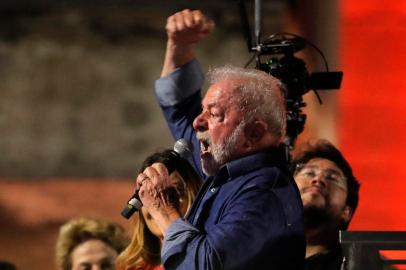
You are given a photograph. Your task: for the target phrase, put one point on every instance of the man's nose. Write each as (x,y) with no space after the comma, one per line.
(319,179)
(200,123)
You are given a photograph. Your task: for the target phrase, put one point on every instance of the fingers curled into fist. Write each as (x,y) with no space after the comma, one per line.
(188,26)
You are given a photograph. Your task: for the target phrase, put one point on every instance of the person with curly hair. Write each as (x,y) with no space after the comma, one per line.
(88,244)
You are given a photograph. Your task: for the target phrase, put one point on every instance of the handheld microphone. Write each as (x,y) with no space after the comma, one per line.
(181,149)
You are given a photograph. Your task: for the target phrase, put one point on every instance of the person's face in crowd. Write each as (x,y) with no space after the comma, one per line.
(93,254)
(178,182)
(323,187)
(219,127)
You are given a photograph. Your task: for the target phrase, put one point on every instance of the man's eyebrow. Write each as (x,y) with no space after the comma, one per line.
(208,106)
(212,104)
(338,171)
(305,166)
(332,170)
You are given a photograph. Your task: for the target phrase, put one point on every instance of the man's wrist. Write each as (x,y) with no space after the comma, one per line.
(176,56)
(166,218)
(179,84)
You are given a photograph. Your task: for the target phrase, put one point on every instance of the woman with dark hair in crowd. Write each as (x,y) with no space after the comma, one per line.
(144,251)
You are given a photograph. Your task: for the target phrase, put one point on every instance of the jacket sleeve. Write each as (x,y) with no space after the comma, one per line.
(251,223)
(179,96)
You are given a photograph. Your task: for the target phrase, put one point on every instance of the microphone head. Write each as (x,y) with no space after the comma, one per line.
(183,147)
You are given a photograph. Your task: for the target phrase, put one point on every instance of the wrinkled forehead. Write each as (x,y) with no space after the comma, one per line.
(223,91)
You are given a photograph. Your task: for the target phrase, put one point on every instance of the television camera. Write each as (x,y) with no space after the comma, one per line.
(281,63)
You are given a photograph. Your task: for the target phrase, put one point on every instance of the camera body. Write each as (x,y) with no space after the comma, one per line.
(291,70)
(297,80)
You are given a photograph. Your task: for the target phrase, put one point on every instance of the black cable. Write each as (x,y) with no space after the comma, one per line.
(251,59)
(271,37)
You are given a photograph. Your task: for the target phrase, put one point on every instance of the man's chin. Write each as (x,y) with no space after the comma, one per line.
(315,216)
(314,200)
(209,166)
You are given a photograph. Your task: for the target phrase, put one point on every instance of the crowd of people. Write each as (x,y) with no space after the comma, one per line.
(237,203)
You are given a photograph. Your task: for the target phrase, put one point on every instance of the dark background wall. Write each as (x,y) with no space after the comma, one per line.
(76,83)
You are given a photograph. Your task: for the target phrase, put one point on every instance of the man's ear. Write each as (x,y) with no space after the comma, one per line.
(346,215)
(255,131)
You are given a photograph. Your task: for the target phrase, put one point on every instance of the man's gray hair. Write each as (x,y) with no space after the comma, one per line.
(258,94)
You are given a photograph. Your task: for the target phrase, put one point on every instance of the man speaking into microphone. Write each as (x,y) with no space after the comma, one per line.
(248,213)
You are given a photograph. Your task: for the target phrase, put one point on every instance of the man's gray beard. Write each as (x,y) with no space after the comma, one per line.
(222,152)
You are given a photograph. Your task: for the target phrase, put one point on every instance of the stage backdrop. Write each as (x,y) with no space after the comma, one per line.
(372,121)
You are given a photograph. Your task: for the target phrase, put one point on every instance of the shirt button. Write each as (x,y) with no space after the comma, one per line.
(213,190)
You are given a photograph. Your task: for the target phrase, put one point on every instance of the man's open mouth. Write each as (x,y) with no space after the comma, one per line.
(204,147)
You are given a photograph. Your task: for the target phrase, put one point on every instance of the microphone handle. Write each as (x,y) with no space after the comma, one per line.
(135,204)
